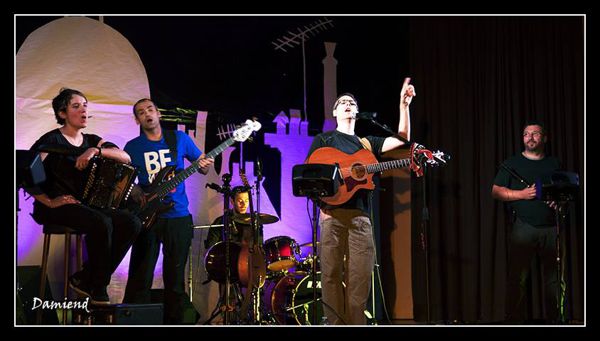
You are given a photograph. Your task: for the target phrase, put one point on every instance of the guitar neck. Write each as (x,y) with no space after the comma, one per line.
(168,186)
(382,166)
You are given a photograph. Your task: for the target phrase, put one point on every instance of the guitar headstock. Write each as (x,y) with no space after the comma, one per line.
(439,158)
(243,133)
(424,157)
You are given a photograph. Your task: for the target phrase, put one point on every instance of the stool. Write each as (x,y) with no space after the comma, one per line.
(49,230)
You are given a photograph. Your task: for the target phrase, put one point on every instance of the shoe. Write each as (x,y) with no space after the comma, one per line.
(99,296)
(79,285)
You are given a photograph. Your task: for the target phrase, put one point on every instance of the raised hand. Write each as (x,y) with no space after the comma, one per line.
(407,92)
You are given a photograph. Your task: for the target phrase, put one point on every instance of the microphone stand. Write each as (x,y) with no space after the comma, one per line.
(259,177)
(254,273)
(424,215)
(560,295)
(314,197)
(425,238)
(226,236)
(389,130)
(258,232)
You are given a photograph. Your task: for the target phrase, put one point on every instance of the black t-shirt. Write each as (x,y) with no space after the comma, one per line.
(348,144)
(239,232)
(534,212)
(61,175)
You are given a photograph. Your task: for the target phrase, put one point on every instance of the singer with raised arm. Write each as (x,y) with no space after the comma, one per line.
(153,152)
(346,228)
(531,282)
(68,154)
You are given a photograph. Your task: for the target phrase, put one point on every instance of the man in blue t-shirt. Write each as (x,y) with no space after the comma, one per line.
(531,283)
(150,152)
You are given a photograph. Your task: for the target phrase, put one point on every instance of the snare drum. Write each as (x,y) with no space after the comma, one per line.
(280,253)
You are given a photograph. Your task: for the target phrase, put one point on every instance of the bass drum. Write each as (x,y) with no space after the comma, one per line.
(290,299)
(214,264)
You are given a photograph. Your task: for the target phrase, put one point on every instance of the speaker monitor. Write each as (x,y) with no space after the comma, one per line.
(120,314)
(30,169)
(315,180)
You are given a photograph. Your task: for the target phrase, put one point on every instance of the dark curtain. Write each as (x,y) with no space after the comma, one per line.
(478,80)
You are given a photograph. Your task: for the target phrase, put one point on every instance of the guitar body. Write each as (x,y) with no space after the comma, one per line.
(352,169)
(154,205)
(252,266)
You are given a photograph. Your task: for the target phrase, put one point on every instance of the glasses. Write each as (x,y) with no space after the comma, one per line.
(532,134)
(347,101)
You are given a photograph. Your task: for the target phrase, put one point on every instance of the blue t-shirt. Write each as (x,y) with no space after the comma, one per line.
(151,156)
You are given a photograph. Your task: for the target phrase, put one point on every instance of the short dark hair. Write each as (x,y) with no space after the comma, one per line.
(141,101)
(238,189)
(534,123)
(335,104)
(61,102)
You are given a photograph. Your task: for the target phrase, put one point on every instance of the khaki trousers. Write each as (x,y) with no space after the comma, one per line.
(347,259)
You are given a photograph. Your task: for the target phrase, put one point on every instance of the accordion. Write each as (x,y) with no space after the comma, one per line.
(108,183)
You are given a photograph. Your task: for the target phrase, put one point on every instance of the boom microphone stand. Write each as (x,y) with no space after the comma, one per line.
(226,236)
(424,213)
(425,239)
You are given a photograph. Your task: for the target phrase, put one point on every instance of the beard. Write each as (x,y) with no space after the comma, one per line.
(532,146)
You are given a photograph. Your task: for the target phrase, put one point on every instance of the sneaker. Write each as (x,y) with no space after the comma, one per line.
(99,296)
(79,285)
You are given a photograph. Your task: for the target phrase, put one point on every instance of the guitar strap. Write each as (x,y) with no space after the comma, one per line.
(171,140)
(366,144)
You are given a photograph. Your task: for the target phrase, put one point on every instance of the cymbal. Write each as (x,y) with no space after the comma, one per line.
(309,244)
(263,219)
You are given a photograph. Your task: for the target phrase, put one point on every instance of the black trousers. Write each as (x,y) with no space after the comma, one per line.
(532,275)
(176,236)
(108,235)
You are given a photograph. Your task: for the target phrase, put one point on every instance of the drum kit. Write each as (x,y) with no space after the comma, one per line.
(287,293)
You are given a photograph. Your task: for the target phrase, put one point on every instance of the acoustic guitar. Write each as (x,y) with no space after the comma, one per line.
(357,169)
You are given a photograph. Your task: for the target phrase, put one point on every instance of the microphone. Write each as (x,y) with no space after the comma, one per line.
(258,168)
(366,115)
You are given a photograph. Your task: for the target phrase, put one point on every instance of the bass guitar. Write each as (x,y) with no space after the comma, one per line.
(161,187)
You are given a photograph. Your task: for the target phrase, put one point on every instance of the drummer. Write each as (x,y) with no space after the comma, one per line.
(240,232)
